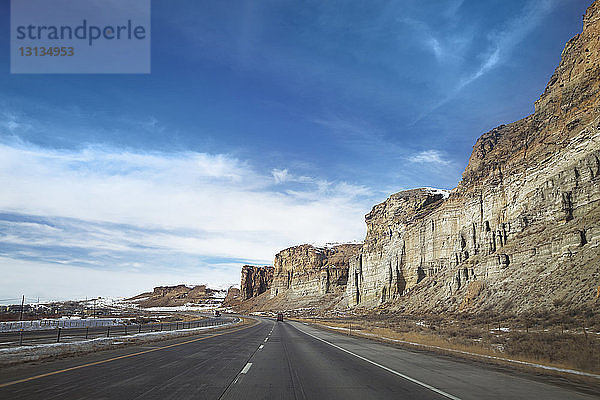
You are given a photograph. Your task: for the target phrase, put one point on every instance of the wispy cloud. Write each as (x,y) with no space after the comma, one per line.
(358,135)
(436,48)
(429,157)
(505,40)
(54,281)
(280,175)
(12,123)
(501,45)
(428,38)
(100,207)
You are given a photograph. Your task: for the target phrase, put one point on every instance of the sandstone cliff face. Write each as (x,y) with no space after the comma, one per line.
(382,270)
(255,280)
(307,270)
(522,225)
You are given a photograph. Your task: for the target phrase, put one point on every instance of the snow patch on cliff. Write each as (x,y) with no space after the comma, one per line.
(331,245)
(445,193)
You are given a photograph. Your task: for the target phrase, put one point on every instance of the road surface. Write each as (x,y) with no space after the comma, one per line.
(271,360)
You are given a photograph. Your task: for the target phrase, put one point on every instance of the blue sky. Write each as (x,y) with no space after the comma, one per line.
(263,124)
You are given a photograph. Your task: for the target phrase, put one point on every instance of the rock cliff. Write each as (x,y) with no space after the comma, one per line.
(255,280)
(233,298)
(522,227)
(304,277)
(307,270)
(520,232)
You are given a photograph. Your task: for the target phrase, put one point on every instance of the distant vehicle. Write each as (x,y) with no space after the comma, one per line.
(217,313)
(279,317)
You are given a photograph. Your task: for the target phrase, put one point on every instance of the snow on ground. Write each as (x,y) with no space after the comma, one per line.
(216,298)
(136,300)
(338,328)
(443,192)
(185,307)
(109,301)
(331,245)
(262,313)
(221,294)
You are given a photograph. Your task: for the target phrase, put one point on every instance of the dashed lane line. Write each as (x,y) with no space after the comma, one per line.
(246,368)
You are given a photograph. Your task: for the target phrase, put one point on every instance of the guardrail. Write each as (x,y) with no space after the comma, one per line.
(62,334)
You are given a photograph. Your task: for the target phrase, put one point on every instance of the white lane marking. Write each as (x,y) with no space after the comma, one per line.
(261,346)
(246,368)
(434,389)
(266,339)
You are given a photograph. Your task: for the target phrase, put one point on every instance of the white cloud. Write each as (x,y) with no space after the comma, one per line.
(51,281)
(502,43)
(280,175)
(185,204)
(429,156)
(11,122)
(436,48)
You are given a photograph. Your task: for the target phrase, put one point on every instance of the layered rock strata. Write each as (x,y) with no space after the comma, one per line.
(255,280)
(524,216)
(307,270)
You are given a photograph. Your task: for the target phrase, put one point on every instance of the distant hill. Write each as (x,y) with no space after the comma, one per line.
(172,296)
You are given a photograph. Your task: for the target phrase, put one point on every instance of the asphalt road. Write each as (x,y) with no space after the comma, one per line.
(271,360)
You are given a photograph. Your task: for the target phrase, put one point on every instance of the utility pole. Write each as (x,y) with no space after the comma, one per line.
(22,305)
(94,315)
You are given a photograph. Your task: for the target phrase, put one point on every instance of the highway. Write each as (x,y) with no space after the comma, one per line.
(272,360)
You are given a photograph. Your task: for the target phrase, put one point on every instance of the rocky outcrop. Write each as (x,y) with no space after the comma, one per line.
(233,298)
(382,271)
(255,280)
(523,222)
(170,296)
(304,277)
(307,270)
(520,232)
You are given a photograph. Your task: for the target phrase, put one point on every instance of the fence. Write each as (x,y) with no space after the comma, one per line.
(62,334)
(56,323)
